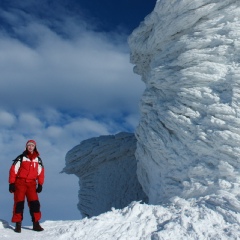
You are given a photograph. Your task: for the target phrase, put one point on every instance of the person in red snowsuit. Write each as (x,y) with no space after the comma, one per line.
(26,177)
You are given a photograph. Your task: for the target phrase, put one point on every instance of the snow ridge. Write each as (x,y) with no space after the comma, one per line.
(181,220)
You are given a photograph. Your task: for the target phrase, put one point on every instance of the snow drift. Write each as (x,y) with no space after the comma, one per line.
(181,220)
(106,167)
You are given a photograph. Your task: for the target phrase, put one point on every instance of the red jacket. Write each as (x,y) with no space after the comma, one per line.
(27,167)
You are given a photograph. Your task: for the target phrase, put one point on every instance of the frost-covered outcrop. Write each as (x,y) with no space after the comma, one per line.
(188,54)
(106,167)
(188,138)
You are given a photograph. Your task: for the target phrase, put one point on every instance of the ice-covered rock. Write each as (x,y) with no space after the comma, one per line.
(106,167)
(188,138)
(188,54)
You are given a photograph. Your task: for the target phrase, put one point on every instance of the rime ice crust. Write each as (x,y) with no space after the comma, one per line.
(188,54)
(106,167)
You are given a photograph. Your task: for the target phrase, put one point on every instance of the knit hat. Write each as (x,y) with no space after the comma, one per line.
(31,142)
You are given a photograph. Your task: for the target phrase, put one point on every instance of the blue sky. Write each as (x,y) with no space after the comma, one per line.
(65,77)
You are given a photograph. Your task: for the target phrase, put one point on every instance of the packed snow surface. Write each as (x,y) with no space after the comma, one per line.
(180,220)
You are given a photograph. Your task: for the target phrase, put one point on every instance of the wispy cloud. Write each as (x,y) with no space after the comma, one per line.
(90,72)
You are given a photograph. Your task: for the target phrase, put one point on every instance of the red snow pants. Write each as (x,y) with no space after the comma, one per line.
(25,189)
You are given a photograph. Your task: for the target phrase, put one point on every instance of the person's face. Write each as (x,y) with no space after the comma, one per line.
(30,147)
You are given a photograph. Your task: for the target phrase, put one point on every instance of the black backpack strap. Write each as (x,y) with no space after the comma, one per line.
(40,161)
(18,158)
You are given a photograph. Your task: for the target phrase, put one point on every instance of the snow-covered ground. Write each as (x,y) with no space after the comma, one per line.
(180,220)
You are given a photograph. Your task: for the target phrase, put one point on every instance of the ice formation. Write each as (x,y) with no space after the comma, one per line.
(188,138)
(106,167)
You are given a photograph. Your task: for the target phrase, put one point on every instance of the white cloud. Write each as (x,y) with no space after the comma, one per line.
(28,122)
(89,72)
(87,126)
(54,132)
(6,119)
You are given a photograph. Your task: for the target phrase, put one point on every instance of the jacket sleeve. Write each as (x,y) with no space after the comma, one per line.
(40,171)
(14,170)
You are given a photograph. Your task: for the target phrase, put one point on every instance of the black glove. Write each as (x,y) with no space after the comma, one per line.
(39,188)
(12,187)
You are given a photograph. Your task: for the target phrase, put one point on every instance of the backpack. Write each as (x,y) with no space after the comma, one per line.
(20,158)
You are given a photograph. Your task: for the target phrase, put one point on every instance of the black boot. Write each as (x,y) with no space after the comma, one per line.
(37,227)
(18,227)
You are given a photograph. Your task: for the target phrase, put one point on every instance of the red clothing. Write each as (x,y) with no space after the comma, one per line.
(27,189)
(26,170)
(29,167)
